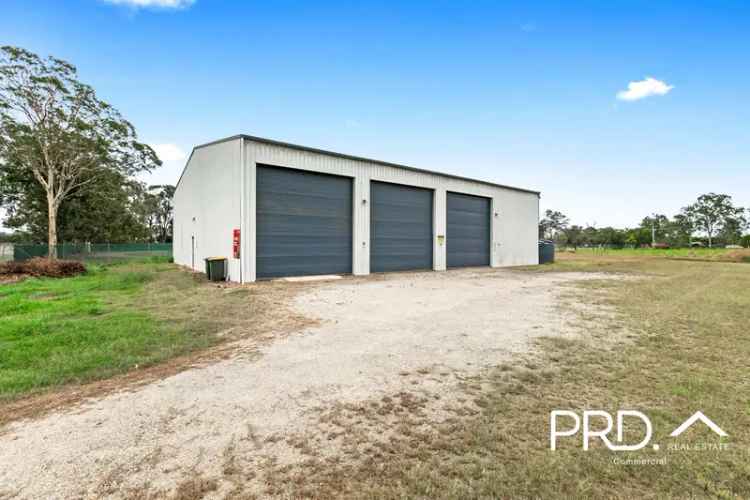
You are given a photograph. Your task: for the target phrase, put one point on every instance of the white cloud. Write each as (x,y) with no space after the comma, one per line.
(153,4)
(168,152)
(644,88)
(528,27)
(173,161)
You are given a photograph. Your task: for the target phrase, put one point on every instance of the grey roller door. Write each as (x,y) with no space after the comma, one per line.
(400,227)
(304,223)
(468,231)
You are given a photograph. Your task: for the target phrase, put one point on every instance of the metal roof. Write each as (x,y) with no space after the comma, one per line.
(351,157)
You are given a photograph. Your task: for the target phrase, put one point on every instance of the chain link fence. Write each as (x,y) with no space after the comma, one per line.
(92,252)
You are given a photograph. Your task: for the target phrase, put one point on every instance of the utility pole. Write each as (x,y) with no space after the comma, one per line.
(654,221)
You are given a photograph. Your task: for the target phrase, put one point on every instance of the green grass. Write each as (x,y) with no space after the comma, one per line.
(675,253)
(59,331)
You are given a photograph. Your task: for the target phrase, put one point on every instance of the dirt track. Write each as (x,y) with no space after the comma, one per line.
(374,337)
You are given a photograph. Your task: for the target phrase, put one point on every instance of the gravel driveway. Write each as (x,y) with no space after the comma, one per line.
(375,336)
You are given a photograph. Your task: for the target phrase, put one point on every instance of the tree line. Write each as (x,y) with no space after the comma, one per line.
(712,220)
(68,160)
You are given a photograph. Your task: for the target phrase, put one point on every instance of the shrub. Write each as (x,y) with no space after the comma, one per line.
(39,266)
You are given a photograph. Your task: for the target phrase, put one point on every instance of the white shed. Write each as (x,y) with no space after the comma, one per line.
(276,209)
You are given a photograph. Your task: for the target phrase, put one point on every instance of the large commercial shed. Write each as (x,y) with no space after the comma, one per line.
(275,209)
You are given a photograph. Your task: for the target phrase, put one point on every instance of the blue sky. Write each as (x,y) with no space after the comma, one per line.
(519,93)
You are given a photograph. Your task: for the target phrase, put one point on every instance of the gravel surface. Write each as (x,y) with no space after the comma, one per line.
(371,332)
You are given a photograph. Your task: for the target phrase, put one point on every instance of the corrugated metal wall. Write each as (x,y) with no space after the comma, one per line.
(218,189)
(207,207)
(514,214)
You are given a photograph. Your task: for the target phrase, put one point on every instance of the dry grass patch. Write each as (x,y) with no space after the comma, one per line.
(688,350)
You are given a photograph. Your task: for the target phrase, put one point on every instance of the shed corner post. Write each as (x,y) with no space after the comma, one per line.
(495,233)
(535,255)
(361,231)
(248,222)
(440,226)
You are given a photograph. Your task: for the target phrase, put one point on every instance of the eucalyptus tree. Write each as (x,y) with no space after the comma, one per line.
(553,224)
(713,213)
(160,211)
(55,130)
